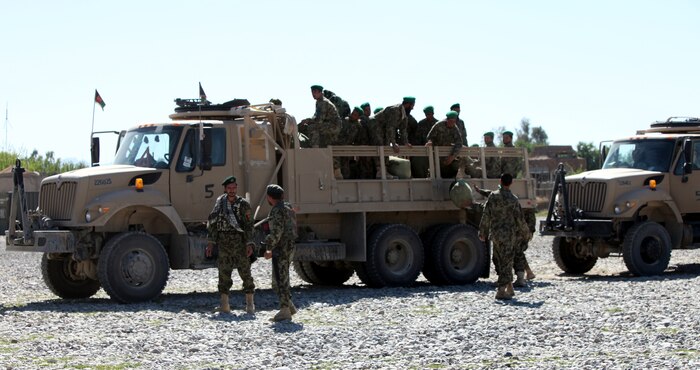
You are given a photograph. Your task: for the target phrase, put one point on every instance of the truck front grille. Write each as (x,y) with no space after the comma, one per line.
(589,197)
(57,202)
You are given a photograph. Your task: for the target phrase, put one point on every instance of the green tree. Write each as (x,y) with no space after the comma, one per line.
(529,137)
(46,165)
(590,153)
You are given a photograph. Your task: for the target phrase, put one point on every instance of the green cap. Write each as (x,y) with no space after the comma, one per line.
(275,101)
(229,180)
(274,190)
(377,110)
(364,105)
(490,133)
(409,99)
(429,109)
(452,114)
(359,110)
(508,133)
(455,105)
(317,87)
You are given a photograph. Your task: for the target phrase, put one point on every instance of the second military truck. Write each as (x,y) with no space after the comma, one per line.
(123,226)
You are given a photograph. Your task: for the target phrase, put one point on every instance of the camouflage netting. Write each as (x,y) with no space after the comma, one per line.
(461,194)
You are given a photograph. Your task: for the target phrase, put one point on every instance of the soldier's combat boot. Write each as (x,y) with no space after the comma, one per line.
(224,306)
(502,294)
(292,308)
(283,314)
(509,290)
(520,281)
(249,303)
(529,274)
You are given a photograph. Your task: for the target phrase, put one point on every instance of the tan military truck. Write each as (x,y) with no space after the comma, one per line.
(122,227)
(644,202)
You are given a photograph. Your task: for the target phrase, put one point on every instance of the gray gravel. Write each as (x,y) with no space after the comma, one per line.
(605,319)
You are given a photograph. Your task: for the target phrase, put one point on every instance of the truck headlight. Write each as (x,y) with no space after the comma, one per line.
(617,210)
(88,216)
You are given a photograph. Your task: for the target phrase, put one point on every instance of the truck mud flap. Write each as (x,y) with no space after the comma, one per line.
(46,241)
(323,251)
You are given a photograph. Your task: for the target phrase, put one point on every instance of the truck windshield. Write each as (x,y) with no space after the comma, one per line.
(650,155)
(148,146)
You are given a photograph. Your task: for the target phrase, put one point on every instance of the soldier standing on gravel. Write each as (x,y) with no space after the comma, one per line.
(230,227)
(503,223)
(280,247)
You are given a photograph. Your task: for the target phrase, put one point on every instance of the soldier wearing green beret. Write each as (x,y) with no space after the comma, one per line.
(394,120)
(445,133)
(230,227)
(279,246)
(350,134)
(324,127)
(460,123)
(419,136)
(493,163)
(510,165)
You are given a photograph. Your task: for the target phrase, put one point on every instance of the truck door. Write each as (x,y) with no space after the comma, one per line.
(193,190)
(685,188)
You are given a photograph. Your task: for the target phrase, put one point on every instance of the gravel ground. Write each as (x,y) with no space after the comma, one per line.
(605,319)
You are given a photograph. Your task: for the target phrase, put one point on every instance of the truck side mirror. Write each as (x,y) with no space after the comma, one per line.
(95,152)
(205,161)
(687,157)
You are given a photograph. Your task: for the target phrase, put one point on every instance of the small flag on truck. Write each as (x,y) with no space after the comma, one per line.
(202,95)
(98,100)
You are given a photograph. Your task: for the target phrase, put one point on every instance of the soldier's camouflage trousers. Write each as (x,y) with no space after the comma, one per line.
(232,254)
(281,258)
(519,260)
(503,261)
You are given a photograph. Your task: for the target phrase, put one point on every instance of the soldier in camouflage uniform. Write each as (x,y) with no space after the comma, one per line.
(365,165)
(511,165)
(323,128)
(230,227)
(460,123)
(418,135)
(445,133)
(520,264)
(280,247)
(341,105)
(394,120)
(350,135)
(502,222)
(493,164)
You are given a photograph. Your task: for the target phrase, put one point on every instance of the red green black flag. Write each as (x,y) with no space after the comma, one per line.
(98,100)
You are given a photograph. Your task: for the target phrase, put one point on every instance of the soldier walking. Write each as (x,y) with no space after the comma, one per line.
(280,247)
(502,223)
(520,265)
(230,227)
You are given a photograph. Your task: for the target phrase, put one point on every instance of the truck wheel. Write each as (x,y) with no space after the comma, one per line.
(133,267)
(565,256)
(646,249)
(59,276)
(428,238)
(394,257)
(457,255)
(315,273)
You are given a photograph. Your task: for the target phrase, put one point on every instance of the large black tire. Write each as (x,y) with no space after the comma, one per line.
(428,238)
(646,249)
(59,276)
(133,267)
(565,257)
(394,257)
(457,255)
(331,274)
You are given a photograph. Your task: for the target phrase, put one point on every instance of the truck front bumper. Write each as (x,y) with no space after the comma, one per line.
(46,241)
(580,229)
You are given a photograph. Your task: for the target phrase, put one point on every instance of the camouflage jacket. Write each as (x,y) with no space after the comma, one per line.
(375,132)
(282,221)
(420,136)
(230,218)
(349,132)
(326,113)
(411,129)
(364,137)
(511,165)
(493,165)
(462,131)
(441,135)
(502,220)
(394,120)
